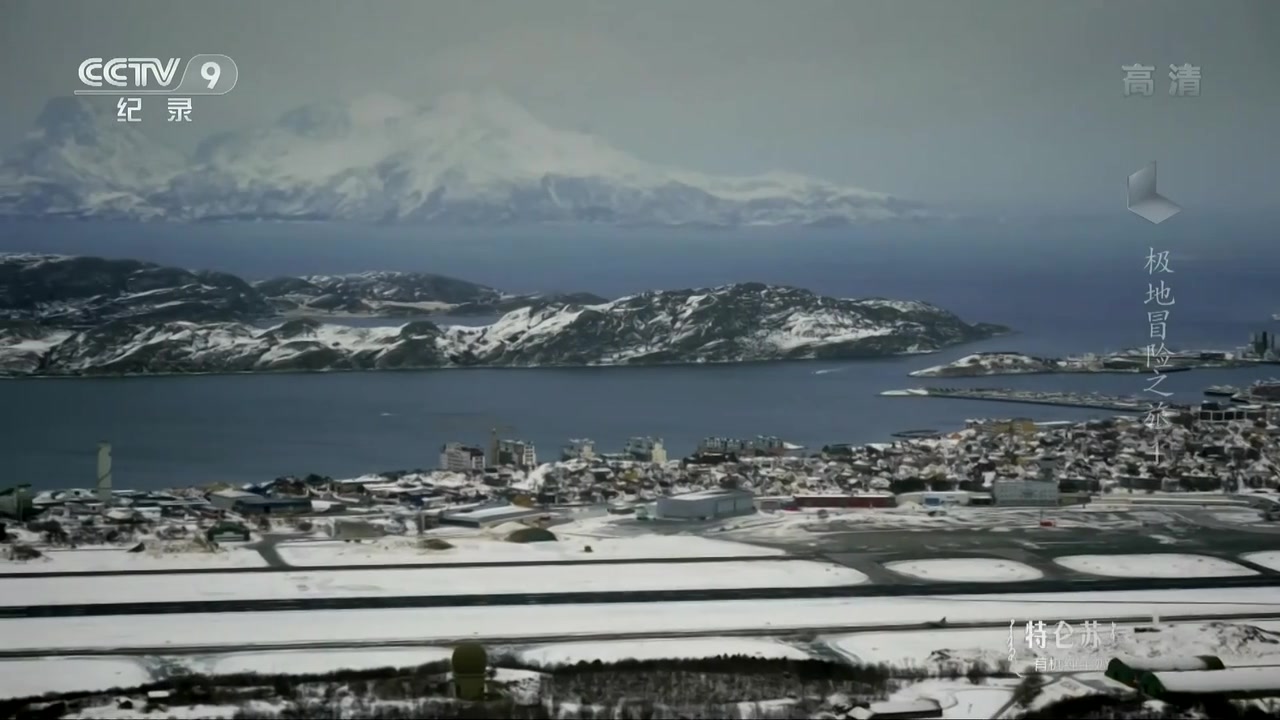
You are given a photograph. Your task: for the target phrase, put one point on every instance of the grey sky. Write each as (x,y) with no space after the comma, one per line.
(985,105)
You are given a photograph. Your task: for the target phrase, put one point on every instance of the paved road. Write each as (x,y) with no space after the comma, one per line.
(583,598)
(444,641)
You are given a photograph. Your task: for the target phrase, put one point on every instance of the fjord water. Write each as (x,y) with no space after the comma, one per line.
(1067,287)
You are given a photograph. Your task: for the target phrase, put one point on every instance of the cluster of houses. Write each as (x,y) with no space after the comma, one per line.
(522,455)
(1014,462)
(1004,463)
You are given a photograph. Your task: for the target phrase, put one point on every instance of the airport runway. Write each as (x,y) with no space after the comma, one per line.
(529,640)
(590,598)
(413,566)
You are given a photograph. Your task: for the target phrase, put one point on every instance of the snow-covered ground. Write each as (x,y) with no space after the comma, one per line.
(299,662)
(391,551)
(115,559)
(244,630)
(729,574)
(960,698)
(1243,516)
(966,570)
(1063,687)
(21,678)
(1266,558)
(804,526)
(1237,642)
(1155,565)
(175,712)
(614,651)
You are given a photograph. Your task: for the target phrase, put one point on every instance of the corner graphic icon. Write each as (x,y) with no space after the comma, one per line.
(1145,202)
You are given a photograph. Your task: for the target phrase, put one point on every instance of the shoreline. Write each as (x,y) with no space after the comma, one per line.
(1002,363)
(1241,365)
(1058,399)
(433,368)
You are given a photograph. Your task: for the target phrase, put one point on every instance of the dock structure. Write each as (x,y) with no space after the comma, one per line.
(1098,401)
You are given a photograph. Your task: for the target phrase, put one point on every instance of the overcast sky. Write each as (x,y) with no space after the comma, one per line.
(1011,106)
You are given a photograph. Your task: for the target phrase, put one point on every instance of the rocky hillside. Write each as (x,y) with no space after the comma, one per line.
(72,291)
(734,323)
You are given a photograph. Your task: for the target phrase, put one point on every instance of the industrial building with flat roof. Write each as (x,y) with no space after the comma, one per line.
(482,517)
(247,503)
(1025,493)
(707,504)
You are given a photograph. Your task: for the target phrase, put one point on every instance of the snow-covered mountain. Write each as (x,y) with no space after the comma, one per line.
(462,159)
(733,323)
(78,161)
(71,291)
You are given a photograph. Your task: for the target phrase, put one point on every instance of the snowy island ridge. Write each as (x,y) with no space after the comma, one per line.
(75,291)
(463,159)
(74,316)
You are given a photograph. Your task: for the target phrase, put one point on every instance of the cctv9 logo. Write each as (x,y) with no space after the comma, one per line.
(207,74)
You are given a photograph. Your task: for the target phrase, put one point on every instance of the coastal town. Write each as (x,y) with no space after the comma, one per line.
(1225,449)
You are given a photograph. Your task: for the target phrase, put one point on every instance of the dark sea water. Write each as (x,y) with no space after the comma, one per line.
(1066,287)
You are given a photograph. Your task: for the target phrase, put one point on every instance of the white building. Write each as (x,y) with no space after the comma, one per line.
(1218,413)
(1024,493)
(707,504)
(646,449)
(355,529)
(519,453)
(457,457)
(579,449)
(489,515)
(761,445)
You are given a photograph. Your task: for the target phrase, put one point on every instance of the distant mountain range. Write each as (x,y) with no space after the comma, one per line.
(91,316)
(464,159)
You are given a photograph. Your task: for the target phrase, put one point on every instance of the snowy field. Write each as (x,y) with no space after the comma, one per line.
(241,630)
(960,698)
(1237,642)
(1241,642)
(803,526)
(1267,559)
(1242,516)
(116,559)
(614,651)
(1156,565)
(300,662)
(730,574)
(965,570)
(175,712)
(20,678)
(393,551)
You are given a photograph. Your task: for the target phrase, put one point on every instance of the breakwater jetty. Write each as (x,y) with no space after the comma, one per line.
(1032,397)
